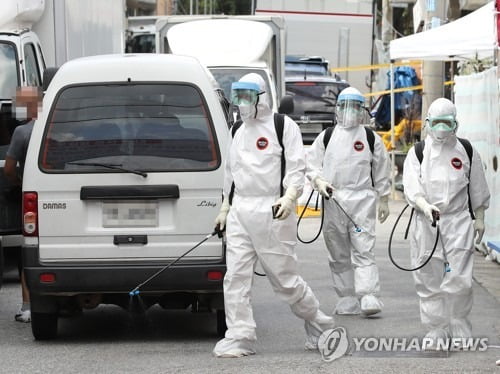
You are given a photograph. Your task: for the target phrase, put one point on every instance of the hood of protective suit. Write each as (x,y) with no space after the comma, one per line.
(262,109)
(441,112)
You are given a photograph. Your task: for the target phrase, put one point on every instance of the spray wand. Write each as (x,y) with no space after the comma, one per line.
(136,291)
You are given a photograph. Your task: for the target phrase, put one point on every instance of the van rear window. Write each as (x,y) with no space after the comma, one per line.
(143,127)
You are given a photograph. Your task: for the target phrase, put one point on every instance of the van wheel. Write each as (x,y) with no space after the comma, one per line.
(221,322)
(1,265)
(44,325)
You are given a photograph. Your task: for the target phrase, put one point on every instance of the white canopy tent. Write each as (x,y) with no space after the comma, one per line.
(474,34)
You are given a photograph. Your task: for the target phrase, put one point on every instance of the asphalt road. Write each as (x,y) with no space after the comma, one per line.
(106,340)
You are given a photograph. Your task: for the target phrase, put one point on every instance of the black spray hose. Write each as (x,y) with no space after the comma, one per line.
(356,227)
(302,214)
(434,224)
(136,291)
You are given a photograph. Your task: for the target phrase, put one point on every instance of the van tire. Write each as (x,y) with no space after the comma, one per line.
(44,325)
(221,322)
(1,265)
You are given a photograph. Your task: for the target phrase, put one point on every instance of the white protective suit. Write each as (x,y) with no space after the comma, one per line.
(349,166)
(254,165)
(441,180)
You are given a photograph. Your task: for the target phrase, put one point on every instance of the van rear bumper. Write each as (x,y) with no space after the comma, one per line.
(72,279)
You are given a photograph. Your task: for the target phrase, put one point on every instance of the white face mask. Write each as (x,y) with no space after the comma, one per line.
(247,111)
(440,132)
(21,113)
(440,136)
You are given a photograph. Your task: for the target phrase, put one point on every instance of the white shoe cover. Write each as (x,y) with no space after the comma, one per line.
(371,305)
(315,327)
(460,329)
(347,305)
(23,316)
(436,340)
(232,348)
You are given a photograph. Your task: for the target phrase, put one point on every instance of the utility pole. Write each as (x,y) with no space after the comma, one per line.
(433,71)
(386,24)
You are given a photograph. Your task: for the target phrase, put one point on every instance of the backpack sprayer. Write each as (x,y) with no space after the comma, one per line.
(435,223)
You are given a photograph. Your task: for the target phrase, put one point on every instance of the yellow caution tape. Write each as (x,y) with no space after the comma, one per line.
(374,67)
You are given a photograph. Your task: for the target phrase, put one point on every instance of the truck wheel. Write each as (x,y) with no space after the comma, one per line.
(1,265)
(221,322)
(44,325)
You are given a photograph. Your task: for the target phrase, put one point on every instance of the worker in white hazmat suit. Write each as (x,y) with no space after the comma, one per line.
(253,173)
(442,182)
(356,174)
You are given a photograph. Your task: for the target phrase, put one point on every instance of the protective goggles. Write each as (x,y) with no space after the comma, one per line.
(244,93)
(442,123)
(349,105)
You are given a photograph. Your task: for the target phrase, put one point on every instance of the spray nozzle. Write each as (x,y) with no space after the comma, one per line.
(218,231)
(435,217)
(329,190)
(134,292)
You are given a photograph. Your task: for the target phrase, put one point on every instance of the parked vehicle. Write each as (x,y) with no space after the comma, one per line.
(33,33)
(21,64)
(340,31)
(306,65)
(230,46)
(314,100)
(123,175)
(140,36)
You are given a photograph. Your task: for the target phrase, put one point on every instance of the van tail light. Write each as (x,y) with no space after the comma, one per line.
(30,214)
(215,275)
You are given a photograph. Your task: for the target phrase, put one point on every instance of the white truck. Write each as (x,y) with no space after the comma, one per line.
(35,34)
(230,46)
(340,31)
(140,36)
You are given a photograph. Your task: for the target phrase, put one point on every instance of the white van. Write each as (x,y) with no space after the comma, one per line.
(123,175)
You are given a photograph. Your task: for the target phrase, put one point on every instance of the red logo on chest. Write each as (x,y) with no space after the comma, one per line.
(262,143)
(358,146)
(456,163)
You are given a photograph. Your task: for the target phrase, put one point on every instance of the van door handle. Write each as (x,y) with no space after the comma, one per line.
(130,239)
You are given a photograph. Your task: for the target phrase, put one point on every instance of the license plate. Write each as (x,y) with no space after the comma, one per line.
(311,128)
(130,214)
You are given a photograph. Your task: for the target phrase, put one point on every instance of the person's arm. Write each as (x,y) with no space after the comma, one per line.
(478,186)
(10,171)
(381,168)
(411,178)
(294,157)
(314,158)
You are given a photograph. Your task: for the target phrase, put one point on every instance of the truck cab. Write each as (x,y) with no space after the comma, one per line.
(21,64)
(230,47)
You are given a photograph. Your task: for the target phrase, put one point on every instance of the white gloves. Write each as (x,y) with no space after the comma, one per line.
(286,203)
(383,208)
(220,220)
(479,224)
(323,187)
(426,208)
